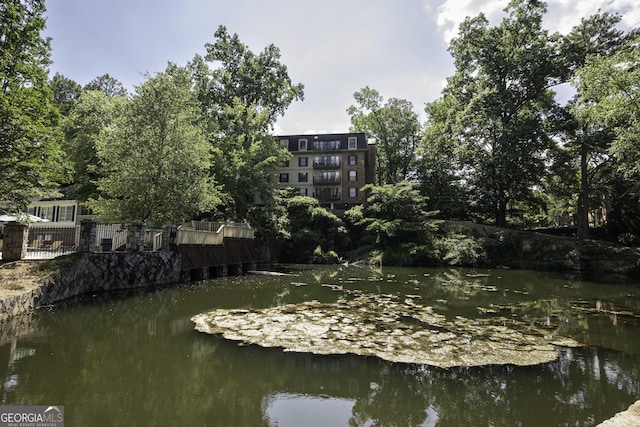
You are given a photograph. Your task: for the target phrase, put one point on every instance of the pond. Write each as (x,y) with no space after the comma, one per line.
(135,358)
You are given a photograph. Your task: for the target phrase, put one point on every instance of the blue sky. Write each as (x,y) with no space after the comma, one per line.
(333,47)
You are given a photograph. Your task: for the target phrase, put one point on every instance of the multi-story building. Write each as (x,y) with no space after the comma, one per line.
(333,168)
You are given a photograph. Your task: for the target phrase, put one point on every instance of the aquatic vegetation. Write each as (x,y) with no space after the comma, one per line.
(390,327)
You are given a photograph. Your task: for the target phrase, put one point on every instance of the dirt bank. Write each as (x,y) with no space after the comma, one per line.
(23,276)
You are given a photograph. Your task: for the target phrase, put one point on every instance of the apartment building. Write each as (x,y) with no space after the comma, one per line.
(332,168)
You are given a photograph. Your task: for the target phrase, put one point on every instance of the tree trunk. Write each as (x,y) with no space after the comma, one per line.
(583,199)
(501,211)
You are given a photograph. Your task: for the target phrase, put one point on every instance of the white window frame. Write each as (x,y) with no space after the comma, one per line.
(303,143)
(65,214)
(352,143)
(353,192)
(353,176)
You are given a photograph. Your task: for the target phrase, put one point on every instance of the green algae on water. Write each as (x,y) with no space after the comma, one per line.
(382,326)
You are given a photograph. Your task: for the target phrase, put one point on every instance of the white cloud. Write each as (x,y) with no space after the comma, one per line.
(451,13)
(562,15)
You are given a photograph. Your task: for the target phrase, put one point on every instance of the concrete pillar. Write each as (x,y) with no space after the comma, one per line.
(221,271)
(169,237)
(135,241)
(16,238)
(88,228)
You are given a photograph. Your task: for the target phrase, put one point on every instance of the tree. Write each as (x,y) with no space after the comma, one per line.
(311,226)
(502,97)
(91,114)
(30,157)
(395,221)
(438,163)
(609,93)
(155,157)
(108,85)
(594,36)
(609,98)
(65,92)
(395,127)
(241,100)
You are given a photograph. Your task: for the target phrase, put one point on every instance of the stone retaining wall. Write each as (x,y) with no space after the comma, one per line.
(98,272)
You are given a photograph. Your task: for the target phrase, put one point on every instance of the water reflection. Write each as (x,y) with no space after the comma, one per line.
(137,360)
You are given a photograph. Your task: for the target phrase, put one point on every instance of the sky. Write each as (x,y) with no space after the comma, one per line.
(333,47)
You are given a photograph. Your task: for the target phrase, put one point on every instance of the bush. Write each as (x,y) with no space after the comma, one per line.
(459,250)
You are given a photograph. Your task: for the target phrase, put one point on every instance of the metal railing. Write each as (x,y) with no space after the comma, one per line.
(49,241)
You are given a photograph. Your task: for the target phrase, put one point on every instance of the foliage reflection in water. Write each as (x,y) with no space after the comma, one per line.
(136,360)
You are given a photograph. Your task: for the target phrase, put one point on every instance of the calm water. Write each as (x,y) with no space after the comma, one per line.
(135,360)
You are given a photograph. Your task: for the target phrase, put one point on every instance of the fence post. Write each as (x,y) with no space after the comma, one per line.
(169,237)
(135,241)
(16,238)
(88,238)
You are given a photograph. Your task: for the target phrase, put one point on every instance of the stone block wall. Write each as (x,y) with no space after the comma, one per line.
(98,272)
(16,237)
(110,271)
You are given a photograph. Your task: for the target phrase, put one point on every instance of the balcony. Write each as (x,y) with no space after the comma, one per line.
(326,162)
(327,194)
(326,180)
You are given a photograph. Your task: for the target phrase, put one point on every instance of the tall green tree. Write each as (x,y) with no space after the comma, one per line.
(241,99)
(596,35)
(438,163)
(65,92)
(396,129)
(30,156)
(108,85)
(502,97)
(90,115)
(609,99)
(155,157)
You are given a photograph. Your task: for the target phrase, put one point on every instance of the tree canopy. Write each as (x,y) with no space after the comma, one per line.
(240,100)
(396,129)
(502,99)
(30,156)
(155,157)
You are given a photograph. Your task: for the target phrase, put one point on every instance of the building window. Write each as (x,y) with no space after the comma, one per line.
(303,177)
(302,145)
(353,159)
(46,213)
(303,161)
(353,143)
(284,143)
(353,192)
(285,164)
(304,191)
(65,213)
(353,176)
(326,145)
(284,177)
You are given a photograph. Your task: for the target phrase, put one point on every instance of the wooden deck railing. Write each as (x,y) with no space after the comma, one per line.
(212,233)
